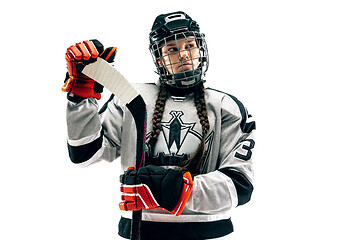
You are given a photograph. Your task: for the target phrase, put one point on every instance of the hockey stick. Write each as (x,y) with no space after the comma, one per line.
(103,73)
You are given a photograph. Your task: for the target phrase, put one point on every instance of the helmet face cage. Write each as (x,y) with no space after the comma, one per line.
(175,70)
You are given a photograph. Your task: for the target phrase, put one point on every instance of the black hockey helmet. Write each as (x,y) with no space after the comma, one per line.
(178,26)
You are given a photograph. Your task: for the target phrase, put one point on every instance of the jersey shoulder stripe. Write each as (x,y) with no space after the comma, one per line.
(247,125)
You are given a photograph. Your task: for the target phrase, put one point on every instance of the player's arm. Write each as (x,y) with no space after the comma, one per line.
(88,137)
(232,184)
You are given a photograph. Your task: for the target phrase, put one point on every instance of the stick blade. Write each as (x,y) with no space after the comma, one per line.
(105,74)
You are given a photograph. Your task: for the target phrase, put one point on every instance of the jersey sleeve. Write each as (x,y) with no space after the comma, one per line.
(90,137)
(231,184)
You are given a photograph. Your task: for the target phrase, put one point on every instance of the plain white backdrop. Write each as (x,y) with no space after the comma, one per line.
(294,64)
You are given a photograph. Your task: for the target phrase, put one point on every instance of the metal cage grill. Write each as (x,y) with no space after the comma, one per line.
(172,68)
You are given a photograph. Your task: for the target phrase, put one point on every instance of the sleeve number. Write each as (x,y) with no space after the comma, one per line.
(247,147)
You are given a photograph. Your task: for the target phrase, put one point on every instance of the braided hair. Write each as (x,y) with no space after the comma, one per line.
(157,117)
(195,163)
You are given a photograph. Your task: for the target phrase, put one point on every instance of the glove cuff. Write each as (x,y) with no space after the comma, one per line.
(73,98)
(185,194)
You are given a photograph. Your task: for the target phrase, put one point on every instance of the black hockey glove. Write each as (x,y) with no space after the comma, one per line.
(155,187)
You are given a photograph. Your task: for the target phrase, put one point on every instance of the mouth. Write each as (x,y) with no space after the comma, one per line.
(186,65)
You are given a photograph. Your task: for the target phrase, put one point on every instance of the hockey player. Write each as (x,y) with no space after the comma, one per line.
(199,143)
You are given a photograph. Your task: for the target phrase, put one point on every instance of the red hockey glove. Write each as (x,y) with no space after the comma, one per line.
(77,57)
(155,187)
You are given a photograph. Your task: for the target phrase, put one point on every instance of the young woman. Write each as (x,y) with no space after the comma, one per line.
(199,144)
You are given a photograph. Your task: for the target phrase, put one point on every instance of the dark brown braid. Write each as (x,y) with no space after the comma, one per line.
(195,163)
(157,117)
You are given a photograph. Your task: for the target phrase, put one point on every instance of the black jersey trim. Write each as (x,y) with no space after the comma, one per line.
(178,231)
(245,127)
(243,186)
(104,107)
(80,154)
(166,160)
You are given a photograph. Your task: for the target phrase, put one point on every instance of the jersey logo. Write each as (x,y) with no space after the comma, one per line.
(178,138)
(176,131)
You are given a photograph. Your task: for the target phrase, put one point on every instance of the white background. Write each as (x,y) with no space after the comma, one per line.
(294,64)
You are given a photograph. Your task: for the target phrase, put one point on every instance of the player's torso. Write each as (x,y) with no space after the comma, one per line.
(181,131)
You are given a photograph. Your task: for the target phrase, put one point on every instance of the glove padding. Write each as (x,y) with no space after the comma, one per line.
(77,57)
(155,187)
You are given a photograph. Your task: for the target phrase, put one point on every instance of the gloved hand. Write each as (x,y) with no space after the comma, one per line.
(155,187)
(77,57)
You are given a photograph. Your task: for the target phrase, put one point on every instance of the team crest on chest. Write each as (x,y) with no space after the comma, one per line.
(179,138)
(176,132)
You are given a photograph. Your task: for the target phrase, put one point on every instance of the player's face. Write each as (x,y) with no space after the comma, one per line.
(180,55)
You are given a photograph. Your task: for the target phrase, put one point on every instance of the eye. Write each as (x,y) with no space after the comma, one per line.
(172,49)
(191,45)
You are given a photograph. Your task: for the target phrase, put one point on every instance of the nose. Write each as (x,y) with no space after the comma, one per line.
(184,54)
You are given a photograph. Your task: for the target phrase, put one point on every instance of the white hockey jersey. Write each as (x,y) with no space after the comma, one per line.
(226,182)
